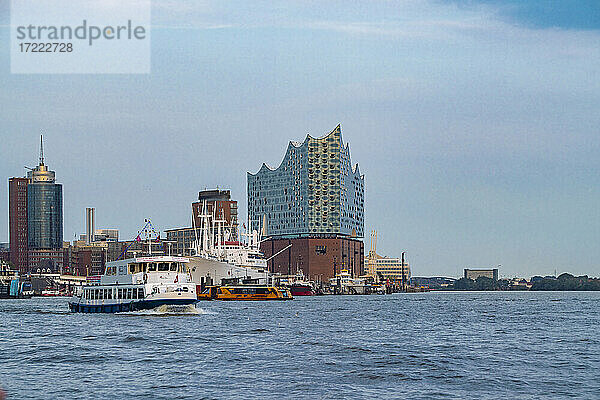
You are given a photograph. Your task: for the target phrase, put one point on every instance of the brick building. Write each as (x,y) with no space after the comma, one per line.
(17,221)
(218,203)
(318,258)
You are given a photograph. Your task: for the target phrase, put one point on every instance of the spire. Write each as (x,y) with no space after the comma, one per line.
(41,150)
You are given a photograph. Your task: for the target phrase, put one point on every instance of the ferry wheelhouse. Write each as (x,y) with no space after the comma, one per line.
(137,284)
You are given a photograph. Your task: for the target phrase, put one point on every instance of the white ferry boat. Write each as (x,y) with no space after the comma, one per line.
(138,283)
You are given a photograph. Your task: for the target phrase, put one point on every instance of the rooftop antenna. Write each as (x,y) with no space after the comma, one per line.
(41,150)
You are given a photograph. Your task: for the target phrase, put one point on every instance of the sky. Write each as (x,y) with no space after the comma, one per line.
(475,123)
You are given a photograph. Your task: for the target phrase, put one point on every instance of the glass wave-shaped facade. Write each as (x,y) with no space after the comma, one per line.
(314,190)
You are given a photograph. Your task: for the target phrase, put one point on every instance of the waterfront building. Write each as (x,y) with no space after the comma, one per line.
(89,259)
(313,201)
(17,221)
(134,248)
(218,203)
(43,261)
(36,219)
(44,208)
(182,240)
(4,252)
(106,235)
(476,273)
(383,268)
(319,258)
(315,190)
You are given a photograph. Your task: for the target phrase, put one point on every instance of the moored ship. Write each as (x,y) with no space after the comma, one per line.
(11,285)
(298,284)
(138,283)
(302,289)
(245,292)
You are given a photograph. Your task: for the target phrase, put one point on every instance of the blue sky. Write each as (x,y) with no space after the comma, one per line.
(476,124)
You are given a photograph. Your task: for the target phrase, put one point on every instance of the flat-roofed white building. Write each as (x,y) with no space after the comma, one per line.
(385,268)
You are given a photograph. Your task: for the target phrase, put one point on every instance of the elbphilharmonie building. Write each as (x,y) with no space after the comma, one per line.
(315,193)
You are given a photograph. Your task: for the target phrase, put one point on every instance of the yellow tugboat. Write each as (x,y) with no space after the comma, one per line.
(245,292)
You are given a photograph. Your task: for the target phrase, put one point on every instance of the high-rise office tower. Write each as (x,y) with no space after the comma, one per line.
(44,207)
(36,220)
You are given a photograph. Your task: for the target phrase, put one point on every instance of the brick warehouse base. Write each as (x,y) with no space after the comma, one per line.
(318,258)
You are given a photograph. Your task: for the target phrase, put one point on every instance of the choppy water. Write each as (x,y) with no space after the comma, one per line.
(425,345)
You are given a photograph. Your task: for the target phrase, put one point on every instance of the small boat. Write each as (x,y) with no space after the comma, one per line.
(302,289)
(344,283)
(49,292)
(245,292)
(298,284)
(138,283)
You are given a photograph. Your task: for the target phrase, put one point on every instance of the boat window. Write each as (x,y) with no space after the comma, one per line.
(152,267)
(143,267)
(119,293)
(109,293)
(174,267)
(140,293)
(185,289)
(129,293)
(131,268)
(163,267)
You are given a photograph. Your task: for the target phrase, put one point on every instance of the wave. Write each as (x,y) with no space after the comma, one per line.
(170,310)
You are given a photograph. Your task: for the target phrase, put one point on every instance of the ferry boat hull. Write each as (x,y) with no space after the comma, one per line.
(127,307)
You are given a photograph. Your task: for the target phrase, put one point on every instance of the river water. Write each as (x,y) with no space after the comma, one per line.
(423,345)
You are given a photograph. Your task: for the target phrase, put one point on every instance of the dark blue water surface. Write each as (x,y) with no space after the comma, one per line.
(424,345)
